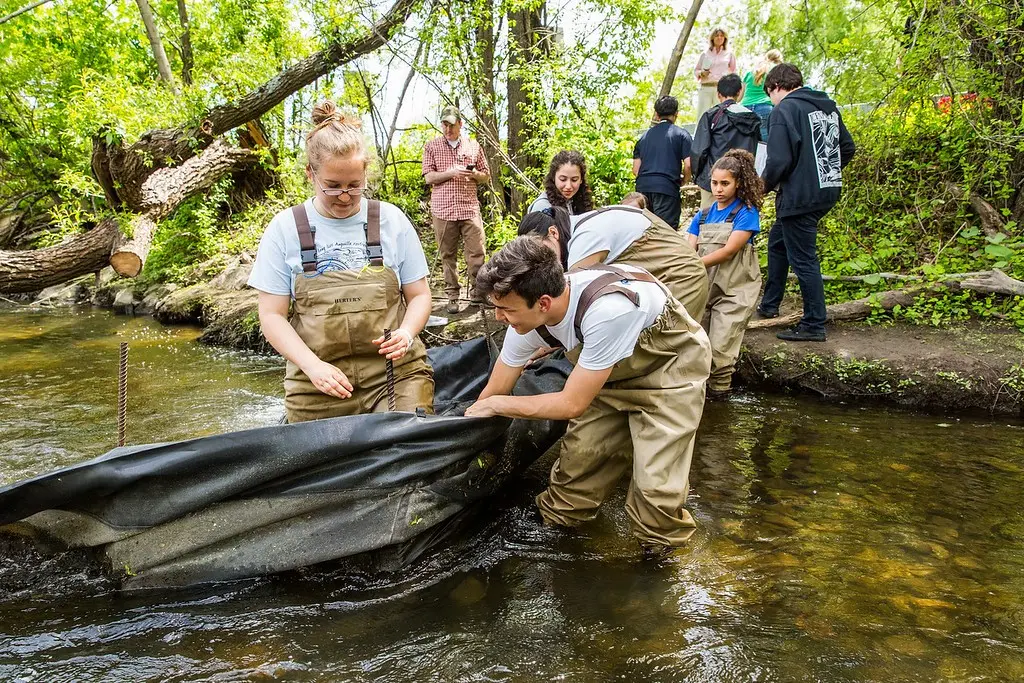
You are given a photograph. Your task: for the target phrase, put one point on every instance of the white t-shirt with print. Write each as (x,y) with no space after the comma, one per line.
(340,245)
(613,230)
(611,327)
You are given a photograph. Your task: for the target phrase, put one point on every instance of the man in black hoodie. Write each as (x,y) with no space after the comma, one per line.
(725,126)
(805,161)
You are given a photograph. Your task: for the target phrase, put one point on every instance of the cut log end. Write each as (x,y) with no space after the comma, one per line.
(126,263)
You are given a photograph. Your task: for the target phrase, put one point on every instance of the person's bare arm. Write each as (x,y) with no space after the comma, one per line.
(636,167)
(692,239)
(732,247)
(596,257)
(417,310)
(502,380)
(687,175)
(273,312)
(567,404)
(438,177)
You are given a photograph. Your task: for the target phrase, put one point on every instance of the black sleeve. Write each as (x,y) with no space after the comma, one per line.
(701,144)
(782,151)
(847,148)
(685,144)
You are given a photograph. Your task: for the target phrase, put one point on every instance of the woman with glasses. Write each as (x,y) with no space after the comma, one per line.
(353,267)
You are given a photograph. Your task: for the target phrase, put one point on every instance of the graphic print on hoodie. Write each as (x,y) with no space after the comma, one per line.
(825,138)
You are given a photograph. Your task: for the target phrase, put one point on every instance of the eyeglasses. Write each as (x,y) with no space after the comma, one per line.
(337,191)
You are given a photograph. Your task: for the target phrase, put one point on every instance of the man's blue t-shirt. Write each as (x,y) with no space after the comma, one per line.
(661,151)
(746,218)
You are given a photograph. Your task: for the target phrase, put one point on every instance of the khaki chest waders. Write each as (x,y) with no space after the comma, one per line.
(338,314)
(643,421)
(732,297)
(667,255)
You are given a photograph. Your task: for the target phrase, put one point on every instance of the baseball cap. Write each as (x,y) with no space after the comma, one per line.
(451,115)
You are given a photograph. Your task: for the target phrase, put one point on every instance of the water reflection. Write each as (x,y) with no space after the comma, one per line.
(835,543)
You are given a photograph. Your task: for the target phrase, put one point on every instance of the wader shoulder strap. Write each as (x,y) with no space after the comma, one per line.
(374,252)
(704,216)
(307,245)
(732,214)
(608,283)
(549,338)
(593,214)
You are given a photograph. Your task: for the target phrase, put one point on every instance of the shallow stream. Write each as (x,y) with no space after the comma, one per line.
(836,543)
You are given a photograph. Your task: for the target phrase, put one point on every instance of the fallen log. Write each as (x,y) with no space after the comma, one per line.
(30,271)
(984,282)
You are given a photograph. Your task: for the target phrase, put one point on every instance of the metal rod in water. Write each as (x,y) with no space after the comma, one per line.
(122,394)
(389,366)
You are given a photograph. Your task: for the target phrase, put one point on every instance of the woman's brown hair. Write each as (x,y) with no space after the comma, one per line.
(749,187)
(711,39)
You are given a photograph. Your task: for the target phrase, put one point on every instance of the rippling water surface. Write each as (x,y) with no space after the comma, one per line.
(836,543)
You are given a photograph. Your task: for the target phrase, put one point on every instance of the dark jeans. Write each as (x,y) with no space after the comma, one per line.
(764,111)
(793,242)
(664,206)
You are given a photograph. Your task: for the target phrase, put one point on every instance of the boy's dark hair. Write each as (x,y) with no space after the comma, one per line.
(784,76)
(666,106)
(730,85)
(537,223)
(525,266)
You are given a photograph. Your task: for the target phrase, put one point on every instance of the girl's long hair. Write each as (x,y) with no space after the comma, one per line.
(581,201)
(749,187)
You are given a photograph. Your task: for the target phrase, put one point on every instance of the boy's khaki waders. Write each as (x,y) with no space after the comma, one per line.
(644,420)
(338,314)
(735,286)
(667,255)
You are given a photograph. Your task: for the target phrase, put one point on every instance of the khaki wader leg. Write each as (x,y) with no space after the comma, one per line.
(594,454)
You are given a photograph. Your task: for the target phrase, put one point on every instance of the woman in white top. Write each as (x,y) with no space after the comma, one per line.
(715,62)
(565,185)
(350,269)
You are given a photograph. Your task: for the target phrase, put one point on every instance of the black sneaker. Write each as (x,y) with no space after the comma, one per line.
(763,314)
(799,334)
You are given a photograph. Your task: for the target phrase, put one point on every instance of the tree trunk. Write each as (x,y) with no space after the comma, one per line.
(523,25)
(162,65)
(677,52)
(485,102)
(27,8)
(187,58)
(30,271)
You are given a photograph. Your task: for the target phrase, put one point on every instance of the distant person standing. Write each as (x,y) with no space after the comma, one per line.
(661,162)
(712,65)
(808,148)
(725,126)
(754,97)
(453,166)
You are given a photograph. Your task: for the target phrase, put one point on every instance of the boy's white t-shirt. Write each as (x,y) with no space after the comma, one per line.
(610,328)
(613,230)
(340,245)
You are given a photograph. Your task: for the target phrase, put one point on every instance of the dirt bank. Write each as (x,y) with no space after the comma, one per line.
(946,370)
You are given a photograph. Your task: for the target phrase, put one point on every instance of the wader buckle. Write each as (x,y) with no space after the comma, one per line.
(374,251)
(308,255)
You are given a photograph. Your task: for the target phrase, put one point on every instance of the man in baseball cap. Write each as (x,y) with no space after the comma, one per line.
(453,166)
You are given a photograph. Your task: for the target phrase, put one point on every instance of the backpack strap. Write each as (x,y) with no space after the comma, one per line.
(307,244)
(718,115)
(608,283)
(374,252)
